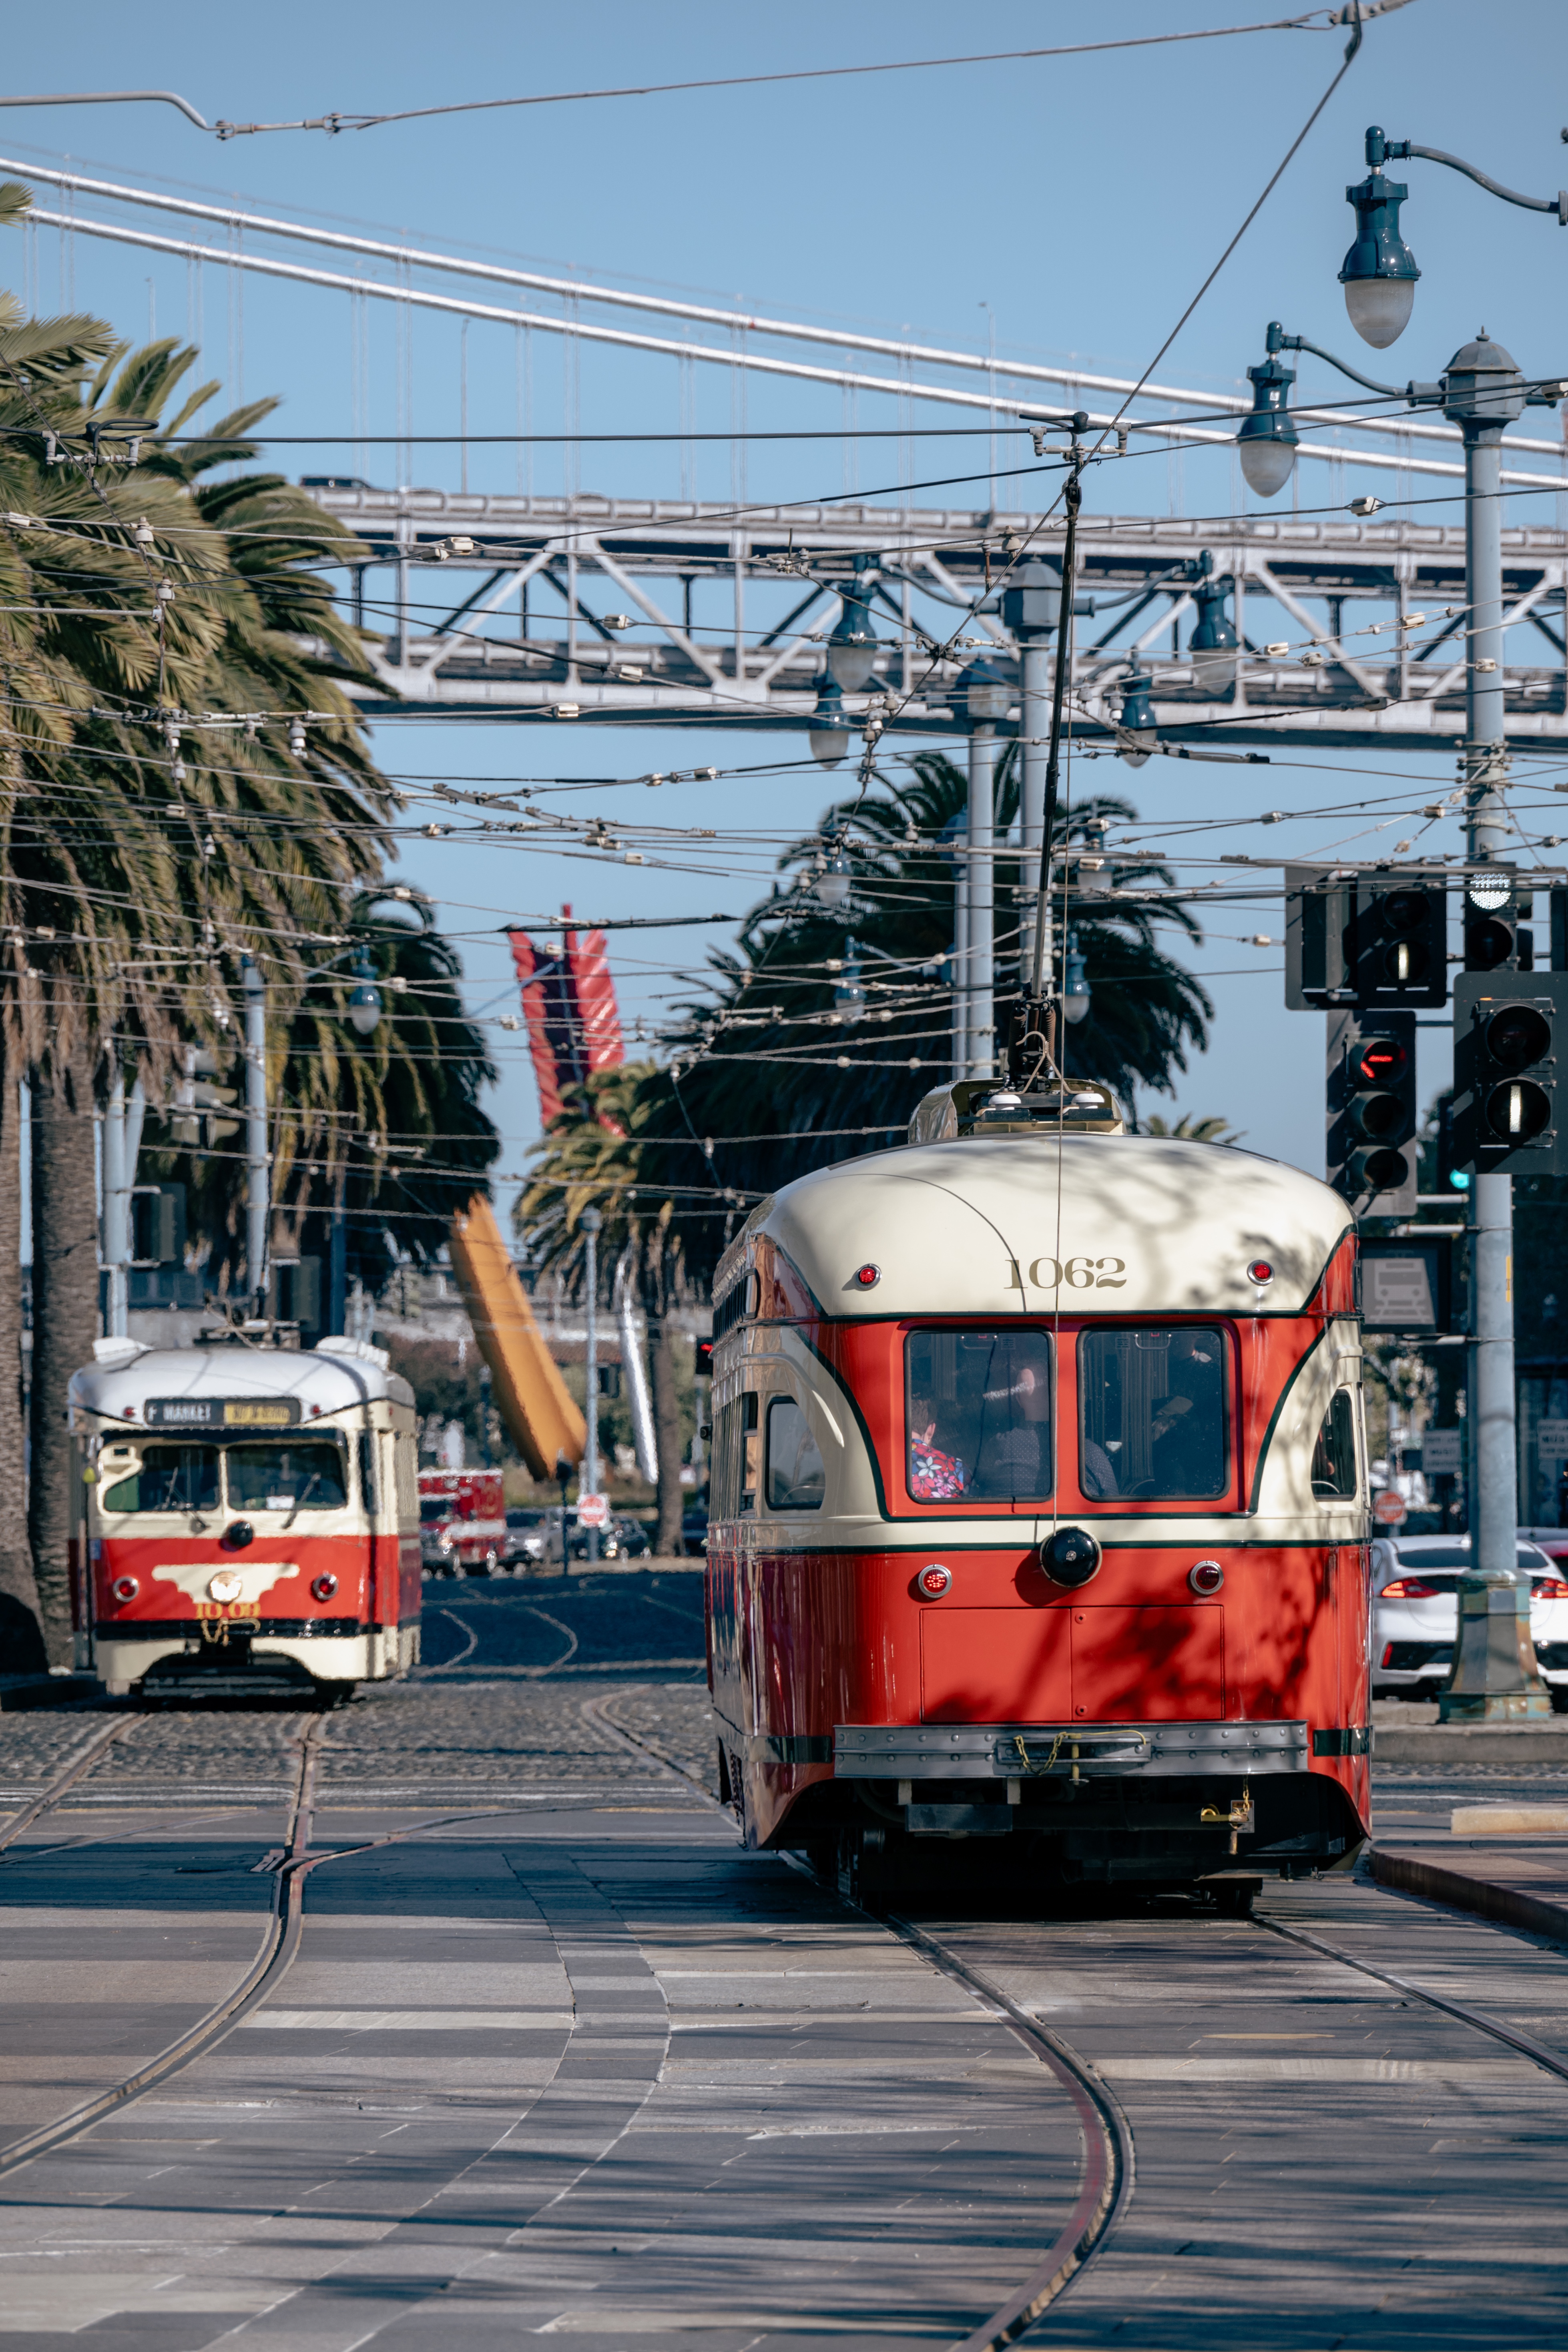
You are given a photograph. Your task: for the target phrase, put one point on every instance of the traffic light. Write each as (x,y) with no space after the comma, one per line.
(1506,1030)
(1320,910)
(1495,908)
(1371,1105)
(1400,947)
(1450,1177)
(1366,939)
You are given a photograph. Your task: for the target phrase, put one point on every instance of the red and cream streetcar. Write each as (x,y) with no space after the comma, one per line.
(1037,1507)
(249,1517)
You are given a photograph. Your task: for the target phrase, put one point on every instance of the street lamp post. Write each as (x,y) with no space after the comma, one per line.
(1481,392)
(593,1224)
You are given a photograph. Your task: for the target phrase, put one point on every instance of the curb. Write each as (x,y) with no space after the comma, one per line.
(1480,1743)
(1510,1905)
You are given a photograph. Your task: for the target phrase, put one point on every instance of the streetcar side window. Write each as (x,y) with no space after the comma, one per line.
(979,1414)
(736,1458)
(367,1486)
(310,1477)
(1333,1456)
(796,1478)
(170,1478)
(1153,1416)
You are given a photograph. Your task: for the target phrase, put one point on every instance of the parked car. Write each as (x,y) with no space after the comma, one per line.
(532,1537)
(623,1538)
(1415,1613)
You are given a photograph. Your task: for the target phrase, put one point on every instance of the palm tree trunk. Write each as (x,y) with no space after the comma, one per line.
(666,1431)
(65,1317)
(22,1649)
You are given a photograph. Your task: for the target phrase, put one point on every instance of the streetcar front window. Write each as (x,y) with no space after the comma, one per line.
(979,1416)
(307,1477)
(170,1478)
(1154,1418)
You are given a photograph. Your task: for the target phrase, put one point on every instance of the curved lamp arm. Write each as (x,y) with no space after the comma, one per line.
(1279,341)
(1380,149)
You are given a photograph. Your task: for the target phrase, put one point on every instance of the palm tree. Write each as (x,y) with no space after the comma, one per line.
(381,1136)
(785,1076)
(150,836)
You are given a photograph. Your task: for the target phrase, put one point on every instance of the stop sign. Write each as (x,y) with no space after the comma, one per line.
(593,1510)
(1388,1508)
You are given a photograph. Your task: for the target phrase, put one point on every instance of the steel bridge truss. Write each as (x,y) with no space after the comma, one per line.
(570,561)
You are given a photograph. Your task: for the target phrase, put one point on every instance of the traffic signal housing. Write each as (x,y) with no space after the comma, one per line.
(1507,1116)
(1365,939)
(1371,1111)
(1495,910)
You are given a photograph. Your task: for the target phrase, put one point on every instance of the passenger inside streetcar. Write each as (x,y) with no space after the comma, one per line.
(1153,1402)
(979,1416)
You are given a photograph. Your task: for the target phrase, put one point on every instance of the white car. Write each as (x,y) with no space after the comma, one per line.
(1414,1613)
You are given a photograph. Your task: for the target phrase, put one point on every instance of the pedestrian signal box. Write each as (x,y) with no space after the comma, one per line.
(1496,911)
(1371,1111)
(1507,1027)
(1364,939)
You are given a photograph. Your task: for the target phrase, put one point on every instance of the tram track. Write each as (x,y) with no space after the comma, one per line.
(1109,2159)
(291,1865)
(278,1948)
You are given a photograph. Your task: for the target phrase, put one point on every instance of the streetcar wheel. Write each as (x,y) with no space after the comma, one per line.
(1234,1901)
(1559,1698)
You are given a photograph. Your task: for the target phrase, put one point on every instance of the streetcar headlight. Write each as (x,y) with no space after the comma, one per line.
(227,1585)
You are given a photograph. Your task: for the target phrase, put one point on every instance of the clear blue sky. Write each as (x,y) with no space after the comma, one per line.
(1082,200)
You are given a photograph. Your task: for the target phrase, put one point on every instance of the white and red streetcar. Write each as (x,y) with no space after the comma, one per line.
(1038,1507)
(248,1519)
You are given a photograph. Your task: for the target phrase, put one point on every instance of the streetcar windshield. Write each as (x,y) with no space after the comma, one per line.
(979,1416)
(286,1478)
(1153,1413)
(170,1478)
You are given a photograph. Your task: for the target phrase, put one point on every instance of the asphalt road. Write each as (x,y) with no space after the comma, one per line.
(573,2064)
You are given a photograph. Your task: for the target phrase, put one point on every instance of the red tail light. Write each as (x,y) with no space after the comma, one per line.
(1549,1588)
(1410,1588)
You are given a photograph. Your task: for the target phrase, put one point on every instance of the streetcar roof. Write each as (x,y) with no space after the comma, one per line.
(120,1384)
(1143,1224)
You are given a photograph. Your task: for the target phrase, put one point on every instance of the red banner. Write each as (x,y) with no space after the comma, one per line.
(569,1004)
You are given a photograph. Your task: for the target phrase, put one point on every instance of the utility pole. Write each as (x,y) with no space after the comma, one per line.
(592,1224)
(256,1202)
(1483,394)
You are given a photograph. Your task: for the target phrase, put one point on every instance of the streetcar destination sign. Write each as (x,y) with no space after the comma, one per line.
(223,1413)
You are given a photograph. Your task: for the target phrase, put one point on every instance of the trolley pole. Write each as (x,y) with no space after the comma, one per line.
(589,1483)
(256,1202)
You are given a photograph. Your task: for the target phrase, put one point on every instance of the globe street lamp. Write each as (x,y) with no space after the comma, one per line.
(829,732)
(1268,439)
(1135,731)
(852,648)
(1379,272)
(365,998)
(1213,645)
(849,994)
(834,883)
